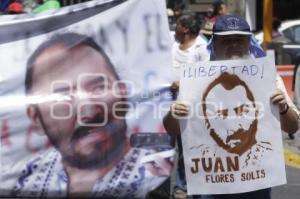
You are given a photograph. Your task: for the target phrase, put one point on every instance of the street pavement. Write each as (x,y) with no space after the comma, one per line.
(292,189)
(292,150)
(292,158)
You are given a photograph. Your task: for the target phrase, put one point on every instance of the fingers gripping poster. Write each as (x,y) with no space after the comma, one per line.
(231,138)
(83,90)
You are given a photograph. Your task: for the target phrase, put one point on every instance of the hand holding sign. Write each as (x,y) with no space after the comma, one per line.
(287,114)
(279,99)
(179,109)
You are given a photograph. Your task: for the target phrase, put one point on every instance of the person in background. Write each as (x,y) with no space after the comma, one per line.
(235,42)
(218,8)
(209,23)
(296,92)
(277,36)
(188,48)
(209,13)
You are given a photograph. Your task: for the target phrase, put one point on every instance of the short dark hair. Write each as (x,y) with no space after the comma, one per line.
(216,6)
(191,21)
(69,40)
(276,23)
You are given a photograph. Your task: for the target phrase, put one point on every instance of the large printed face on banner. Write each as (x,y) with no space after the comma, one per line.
(77,115)
(66,82)
(231,123)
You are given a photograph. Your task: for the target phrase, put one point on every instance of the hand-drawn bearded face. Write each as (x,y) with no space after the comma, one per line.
(230,113)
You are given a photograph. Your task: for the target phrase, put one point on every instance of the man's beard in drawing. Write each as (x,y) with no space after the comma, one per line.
(245,139)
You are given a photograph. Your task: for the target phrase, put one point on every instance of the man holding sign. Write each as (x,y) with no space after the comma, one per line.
(231,116)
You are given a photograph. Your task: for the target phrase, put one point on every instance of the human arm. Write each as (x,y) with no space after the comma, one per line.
(297,89)
(289,115)
(171,123)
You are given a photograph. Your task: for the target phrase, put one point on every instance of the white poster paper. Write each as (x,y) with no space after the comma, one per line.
(232,138)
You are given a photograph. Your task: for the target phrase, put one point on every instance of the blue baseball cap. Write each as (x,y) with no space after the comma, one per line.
(231,25)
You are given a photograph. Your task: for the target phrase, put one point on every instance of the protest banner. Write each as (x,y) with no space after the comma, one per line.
(83,90)
(232,140)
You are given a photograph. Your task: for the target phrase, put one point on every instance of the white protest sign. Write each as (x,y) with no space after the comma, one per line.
(232,138)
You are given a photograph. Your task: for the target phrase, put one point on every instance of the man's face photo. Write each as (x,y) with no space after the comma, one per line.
(85,78)
(231,115)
